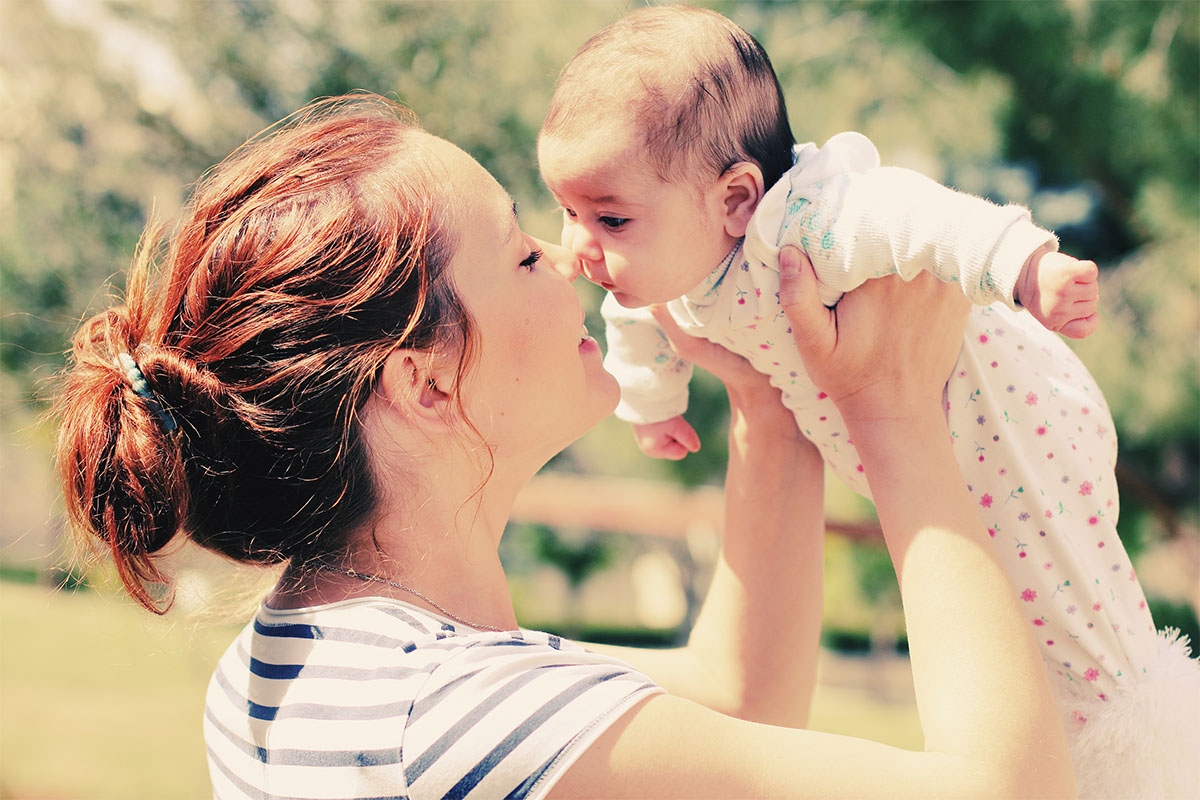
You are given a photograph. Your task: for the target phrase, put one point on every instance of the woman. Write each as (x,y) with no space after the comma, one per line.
(353,362)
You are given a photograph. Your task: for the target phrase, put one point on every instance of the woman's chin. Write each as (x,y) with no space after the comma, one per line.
(610,393)
(601,411)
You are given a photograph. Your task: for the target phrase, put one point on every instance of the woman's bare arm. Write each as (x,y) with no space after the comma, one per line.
(980,682)
(752,652)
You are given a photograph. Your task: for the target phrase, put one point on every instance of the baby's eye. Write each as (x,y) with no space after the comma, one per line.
(531,259)
(613,223)
(569,212)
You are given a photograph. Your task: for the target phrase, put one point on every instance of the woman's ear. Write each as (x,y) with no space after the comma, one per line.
(412,381)
(741,191)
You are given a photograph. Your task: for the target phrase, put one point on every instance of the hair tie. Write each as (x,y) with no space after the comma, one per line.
(137,381)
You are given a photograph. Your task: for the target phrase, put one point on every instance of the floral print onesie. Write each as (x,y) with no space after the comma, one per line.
(1031,430)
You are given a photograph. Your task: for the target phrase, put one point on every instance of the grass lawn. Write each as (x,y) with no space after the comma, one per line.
(99,700)
(871,698)
(102,701)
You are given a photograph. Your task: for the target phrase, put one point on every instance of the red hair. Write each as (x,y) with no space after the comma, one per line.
(303,260)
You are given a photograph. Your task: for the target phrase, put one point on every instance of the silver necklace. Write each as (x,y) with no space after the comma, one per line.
(368,578)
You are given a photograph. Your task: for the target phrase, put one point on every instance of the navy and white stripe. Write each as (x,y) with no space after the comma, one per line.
(374,698)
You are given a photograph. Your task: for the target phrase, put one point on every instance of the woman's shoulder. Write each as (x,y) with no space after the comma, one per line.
(438,706)
(443,669)
(394,628)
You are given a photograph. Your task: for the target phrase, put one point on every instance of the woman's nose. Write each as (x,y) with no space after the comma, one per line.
(582,243)
(562,259)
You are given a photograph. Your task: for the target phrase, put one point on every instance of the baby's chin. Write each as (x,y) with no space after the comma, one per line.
(626,300)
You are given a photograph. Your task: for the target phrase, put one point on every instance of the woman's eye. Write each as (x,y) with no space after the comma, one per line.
(532,258)
(613,223)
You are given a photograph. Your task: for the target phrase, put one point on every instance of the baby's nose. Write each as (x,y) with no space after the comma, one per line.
(583,244)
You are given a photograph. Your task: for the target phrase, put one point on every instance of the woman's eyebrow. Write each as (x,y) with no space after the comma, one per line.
(515,224)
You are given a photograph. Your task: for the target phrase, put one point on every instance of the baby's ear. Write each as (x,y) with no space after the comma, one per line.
(741,191)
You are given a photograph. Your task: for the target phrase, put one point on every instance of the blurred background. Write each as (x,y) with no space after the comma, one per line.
(1086,111)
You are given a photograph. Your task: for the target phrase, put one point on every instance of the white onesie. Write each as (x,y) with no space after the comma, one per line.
(1031,430)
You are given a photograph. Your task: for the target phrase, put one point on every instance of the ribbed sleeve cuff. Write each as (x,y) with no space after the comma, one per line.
(1018,243)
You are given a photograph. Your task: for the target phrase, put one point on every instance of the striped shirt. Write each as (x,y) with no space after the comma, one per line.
(374,698)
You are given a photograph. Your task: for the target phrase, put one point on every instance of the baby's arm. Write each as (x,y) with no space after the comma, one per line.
(859,220)
(891,220)
(653,377)
(1061,292)
(671,439)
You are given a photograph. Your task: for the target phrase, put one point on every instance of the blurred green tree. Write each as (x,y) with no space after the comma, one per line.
(1106,96)
(113,107)
(1103,93)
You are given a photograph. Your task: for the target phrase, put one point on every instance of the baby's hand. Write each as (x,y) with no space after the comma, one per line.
(1061,292)
(672,438)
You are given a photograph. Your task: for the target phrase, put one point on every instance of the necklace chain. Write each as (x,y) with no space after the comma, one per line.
(369,578)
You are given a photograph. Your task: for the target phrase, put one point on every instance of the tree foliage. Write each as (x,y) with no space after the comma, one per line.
(1102,93)
(1106,96)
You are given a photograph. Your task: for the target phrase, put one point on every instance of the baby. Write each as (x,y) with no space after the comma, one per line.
(668,145)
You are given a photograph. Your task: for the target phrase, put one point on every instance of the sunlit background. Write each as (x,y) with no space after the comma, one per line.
(1086,111)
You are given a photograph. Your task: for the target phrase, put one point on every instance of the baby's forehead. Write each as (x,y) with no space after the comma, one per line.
(594,152)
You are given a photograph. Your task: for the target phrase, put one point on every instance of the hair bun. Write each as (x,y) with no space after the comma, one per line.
(120,470)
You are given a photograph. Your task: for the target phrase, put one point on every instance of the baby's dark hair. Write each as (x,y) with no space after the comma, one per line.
(700,88)
(221,399)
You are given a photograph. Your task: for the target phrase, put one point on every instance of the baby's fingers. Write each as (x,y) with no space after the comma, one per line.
(1080,301)
(1081,328)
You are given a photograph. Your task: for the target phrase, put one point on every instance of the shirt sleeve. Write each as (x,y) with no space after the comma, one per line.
(506,717)
(653,379)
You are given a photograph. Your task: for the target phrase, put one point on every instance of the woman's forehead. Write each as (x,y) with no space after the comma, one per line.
(477,201)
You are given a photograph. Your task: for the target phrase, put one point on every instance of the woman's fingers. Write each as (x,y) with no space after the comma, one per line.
(814,327)
(902,338)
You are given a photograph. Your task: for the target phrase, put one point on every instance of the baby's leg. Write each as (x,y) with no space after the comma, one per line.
(1037,447)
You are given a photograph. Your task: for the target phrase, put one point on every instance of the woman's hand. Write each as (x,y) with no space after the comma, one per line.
(887,347)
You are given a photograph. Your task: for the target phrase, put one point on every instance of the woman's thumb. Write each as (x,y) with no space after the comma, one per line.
(813,325)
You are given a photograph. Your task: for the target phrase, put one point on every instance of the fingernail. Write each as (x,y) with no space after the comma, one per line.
(787,265)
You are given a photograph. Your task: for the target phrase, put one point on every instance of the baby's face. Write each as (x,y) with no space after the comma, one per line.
(644,240)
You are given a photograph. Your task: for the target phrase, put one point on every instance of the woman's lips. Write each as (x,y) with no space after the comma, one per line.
(586,342)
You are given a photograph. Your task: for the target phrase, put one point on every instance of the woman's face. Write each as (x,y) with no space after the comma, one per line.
(538,382)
